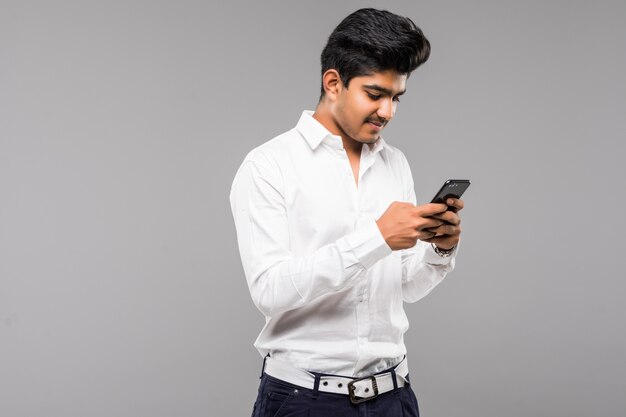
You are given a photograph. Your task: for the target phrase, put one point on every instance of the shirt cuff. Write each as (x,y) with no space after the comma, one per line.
(368,244)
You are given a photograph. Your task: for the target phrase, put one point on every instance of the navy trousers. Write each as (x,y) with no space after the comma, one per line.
(277,398)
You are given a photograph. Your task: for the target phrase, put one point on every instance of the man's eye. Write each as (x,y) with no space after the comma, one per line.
(396,99)
(373,96)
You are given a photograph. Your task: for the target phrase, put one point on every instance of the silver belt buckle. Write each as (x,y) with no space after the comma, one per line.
(351,389)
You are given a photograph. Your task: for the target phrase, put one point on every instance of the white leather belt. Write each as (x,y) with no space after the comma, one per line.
(359,389)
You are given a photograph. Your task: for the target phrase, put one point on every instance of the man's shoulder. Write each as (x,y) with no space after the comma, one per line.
(271,157)
(273,149)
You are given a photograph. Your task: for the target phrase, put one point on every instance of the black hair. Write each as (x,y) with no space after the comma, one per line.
(371,40)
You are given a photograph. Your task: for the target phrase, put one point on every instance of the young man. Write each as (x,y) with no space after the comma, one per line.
(330,238)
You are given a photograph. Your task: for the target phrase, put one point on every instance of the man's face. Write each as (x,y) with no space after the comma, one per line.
(363,109)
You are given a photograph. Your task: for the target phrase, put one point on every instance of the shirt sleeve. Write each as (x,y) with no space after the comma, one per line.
(422,268)
(278,280)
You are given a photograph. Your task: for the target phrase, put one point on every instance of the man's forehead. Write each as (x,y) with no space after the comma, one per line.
(391,81)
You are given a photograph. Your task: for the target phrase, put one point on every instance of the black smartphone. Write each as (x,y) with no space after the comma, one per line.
(451,189)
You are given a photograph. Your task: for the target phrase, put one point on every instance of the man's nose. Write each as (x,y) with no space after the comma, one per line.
(386,109)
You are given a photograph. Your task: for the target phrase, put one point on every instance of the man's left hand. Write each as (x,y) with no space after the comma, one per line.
(448,235)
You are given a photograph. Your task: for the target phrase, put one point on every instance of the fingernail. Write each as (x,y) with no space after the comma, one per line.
(450,201)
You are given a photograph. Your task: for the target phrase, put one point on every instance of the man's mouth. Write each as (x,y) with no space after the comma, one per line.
(376,124)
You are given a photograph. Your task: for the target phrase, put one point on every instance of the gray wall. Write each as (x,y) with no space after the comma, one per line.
(122,125)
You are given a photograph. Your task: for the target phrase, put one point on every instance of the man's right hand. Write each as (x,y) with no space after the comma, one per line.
(402,224)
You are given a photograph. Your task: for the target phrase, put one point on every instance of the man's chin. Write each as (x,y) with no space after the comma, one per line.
(370,139)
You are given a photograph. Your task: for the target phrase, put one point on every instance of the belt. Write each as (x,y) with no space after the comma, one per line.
(359,389)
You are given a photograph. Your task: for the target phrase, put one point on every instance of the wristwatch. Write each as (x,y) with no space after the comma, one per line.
(444,253)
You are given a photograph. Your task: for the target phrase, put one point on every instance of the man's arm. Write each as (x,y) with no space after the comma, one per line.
(278,280)
(422,268)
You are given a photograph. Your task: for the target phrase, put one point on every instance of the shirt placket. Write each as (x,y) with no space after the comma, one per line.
(362,288)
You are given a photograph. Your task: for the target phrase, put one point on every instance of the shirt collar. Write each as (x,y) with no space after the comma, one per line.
(378,146)
(312,130)
(315,133)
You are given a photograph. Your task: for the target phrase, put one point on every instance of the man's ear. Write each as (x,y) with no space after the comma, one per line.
(332,84)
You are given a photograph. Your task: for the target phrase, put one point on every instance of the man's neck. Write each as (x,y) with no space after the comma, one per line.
(325,118)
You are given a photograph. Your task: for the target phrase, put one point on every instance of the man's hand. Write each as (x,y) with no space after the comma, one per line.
(403,223)
(448,234)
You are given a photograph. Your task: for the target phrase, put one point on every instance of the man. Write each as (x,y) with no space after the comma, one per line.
(330,238)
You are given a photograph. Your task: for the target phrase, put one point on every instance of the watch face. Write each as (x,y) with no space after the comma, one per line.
(442,252)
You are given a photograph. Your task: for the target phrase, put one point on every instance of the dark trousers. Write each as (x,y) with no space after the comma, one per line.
(278,398)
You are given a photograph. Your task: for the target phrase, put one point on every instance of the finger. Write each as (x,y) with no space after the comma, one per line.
(434,239)
(448,217)
(445,230)
(430,209)
(425,223)
(425,235)
(457,203)
(430,223)
(443,241)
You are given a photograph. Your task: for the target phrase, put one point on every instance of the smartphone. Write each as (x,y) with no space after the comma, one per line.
(451,189)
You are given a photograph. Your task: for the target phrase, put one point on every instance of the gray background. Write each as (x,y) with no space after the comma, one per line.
(122,125)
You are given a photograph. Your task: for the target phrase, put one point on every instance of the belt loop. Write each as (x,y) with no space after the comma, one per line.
(263,368)
(394,379)
(316,385)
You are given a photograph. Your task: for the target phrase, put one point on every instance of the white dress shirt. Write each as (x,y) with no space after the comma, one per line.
(317,266)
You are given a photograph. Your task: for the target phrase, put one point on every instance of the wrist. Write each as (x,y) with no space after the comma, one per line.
(443,252)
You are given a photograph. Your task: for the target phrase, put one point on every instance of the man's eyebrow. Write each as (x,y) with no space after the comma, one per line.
(383,90)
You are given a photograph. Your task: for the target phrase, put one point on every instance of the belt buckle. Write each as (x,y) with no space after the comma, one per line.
(351,388)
